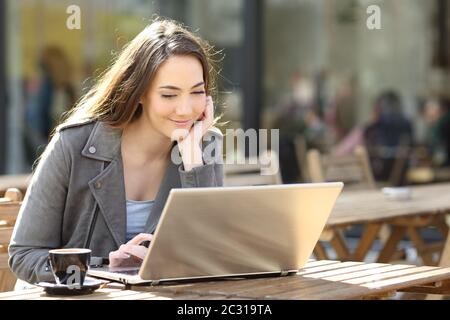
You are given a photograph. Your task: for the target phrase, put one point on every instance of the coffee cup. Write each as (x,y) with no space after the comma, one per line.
(70,265)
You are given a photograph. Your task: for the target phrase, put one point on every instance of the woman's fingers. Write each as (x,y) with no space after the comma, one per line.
(209,115)
(209,111)
(131,253)
(141,237)
(135,250)
(119,255)
(127,255)
(117,258)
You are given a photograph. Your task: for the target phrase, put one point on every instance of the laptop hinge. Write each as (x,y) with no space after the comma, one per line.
(284,273)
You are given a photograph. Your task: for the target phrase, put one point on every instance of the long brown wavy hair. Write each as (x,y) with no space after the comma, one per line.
(115,98)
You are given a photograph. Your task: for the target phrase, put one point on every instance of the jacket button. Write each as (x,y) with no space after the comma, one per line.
(92,149)
(97,185)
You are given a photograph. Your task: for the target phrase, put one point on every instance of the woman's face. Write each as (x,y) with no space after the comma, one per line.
(176,97)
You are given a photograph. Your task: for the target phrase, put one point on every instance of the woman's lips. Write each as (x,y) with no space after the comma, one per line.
(181,123)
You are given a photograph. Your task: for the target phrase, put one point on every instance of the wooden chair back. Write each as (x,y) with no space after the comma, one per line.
(354,170)
(9,209)
(256,171)
(445,256)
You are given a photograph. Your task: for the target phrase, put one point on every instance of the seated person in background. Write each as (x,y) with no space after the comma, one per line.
(389,136)
(436,114)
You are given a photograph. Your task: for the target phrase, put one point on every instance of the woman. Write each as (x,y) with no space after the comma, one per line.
(105,176)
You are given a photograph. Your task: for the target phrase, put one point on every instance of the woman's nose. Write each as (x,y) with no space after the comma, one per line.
(184,108)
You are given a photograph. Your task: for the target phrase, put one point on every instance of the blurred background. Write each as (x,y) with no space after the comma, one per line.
(311,68)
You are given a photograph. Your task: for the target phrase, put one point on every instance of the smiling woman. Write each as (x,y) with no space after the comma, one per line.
(105,176)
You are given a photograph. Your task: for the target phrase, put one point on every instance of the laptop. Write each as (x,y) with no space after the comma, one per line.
(229,232)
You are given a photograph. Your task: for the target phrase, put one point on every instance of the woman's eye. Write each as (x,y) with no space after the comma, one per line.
(198,92)
(168,96)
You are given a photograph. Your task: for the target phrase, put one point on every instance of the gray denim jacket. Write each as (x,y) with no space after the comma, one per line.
(76,197)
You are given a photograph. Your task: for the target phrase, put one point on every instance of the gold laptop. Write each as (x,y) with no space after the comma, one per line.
(221,232)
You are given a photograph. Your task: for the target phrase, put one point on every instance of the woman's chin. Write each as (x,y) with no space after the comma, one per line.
(175,134)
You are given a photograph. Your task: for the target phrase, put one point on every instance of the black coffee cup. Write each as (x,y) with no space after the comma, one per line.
(69,266)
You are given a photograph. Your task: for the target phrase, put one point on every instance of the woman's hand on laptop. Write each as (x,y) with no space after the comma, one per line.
(130,254)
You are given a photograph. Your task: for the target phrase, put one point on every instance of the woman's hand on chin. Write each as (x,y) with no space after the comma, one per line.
(189,141)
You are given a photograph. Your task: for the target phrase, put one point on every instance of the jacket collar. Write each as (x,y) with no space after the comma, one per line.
(103,143)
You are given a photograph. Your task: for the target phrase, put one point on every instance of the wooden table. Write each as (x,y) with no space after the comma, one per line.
(321,279)
(428,205)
